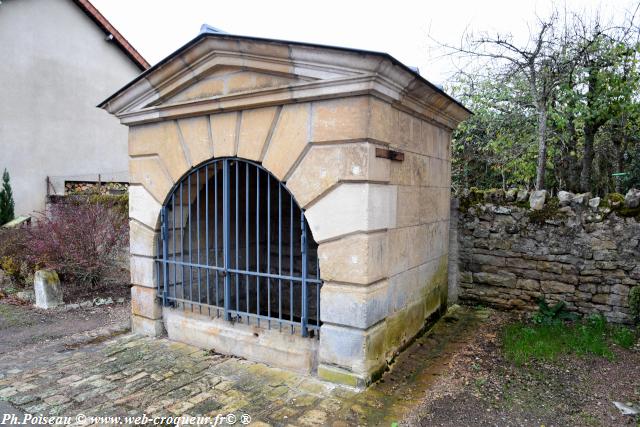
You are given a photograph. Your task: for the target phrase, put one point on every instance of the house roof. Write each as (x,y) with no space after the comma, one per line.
(221,35)
(102,22)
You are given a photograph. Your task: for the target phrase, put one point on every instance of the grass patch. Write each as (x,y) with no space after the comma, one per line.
(523,342)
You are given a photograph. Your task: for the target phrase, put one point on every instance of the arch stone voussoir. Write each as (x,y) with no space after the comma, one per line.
(290,137)
(323,166)
(163,139)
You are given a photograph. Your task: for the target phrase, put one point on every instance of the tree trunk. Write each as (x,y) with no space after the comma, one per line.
(542,148)
(587,158)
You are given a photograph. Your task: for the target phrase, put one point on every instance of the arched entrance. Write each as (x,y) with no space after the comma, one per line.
(235,244)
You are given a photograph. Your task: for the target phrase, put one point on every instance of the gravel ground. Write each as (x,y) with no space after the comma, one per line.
(23,327)
(482,388)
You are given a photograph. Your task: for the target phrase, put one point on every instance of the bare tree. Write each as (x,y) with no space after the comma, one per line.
(541,61)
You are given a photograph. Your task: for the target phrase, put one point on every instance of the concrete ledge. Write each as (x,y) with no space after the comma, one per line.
(275,348)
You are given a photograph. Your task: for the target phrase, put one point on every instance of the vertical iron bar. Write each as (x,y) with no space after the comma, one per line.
(280,254)
(237,265)
(198,238)
(165,254)
(173,238)
(225,237)
(246,235)
(291,261)
(206,229)
(258,244)
(182,241)
(190,243)
(215,231)
(317,291)
(303,249)
(269,249)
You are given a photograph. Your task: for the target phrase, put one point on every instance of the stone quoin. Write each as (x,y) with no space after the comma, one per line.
(361,143)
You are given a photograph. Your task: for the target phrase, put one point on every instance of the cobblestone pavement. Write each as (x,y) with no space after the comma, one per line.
(132,375)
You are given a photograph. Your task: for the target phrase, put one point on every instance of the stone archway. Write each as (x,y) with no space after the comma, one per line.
(359,140)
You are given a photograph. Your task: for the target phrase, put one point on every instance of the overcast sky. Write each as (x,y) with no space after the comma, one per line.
(400,27)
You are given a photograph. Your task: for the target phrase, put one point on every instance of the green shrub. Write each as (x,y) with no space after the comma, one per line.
(7,204)
(547,315)
(623,336)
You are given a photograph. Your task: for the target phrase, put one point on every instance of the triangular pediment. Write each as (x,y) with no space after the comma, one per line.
(217,72)
(225,80)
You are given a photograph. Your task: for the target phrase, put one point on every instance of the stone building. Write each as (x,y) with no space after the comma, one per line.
(59,59)
(270,179)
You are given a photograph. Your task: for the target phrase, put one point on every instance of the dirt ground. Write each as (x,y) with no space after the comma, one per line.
(24,326)
(482,388)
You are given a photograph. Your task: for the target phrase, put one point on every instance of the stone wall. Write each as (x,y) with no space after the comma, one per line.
(586,253)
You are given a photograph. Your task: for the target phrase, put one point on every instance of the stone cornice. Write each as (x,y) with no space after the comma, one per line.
(325,73)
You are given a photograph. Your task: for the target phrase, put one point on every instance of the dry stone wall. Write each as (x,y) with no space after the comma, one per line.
(583,251)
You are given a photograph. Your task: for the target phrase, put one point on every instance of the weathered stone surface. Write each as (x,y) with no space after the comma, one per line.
(142,239)
(522,195)
(353,207)
(537,199)
(594,203)
(565,197)
(224,133)
(324,166)
(143,271)
(196,136)
(340,119)
(152,174)
(255,127)
(632,198)
(143,207)
(162,139)
(509,262)
(511,194)
(356,306)
(581,199)
(47,288)
(148,327)
(289,139)
(359,258)
(143,302)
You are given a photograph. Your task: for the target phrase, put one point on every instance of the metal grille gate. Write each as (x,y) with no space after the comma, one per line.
(234,243)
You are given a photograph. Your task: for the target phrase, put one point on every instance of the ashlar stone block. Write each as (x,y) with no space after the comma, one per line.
(152,174)
(356,306)
(289,139)
(359,258)
(353,207)
(143,271)
(142,239)
(144,302)
(255,127)
(196,136)
(324,166)
(340,119)
(143,207)
(163,139)
(223,133)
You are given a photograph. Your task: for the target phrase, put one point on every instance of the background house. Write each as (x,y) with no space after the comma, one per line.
(59,59)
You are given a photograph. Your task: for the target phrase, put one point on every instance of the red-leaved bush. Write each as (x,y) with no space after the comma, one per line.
(85,242)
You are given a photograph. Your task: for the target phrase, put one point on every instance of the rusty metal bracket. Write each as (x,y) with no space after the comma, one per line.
(384,153)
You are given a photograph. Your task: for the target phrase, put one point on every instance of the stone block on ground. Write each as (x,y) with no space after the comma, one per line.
(565,197)
(537,199)
(632,198)
(48,290)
